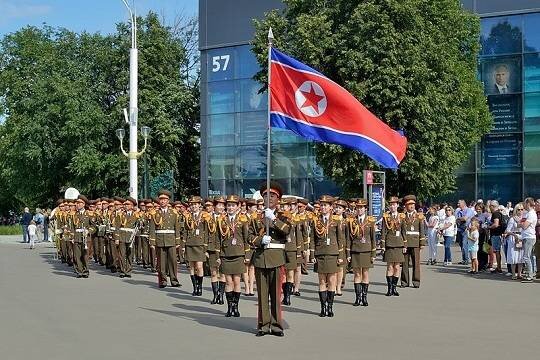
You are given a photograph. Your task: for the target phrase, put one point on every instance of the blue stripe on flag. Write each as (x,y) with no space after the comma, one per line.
(292,62)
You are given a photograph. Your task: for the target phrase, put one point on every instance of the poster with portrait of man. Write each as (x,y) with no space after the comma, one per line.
(501,76)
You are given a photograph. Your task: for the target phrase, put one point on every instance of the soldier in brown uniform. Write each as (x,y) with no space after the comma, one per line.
(127,220)
(394,244)
(68,234)
(92,237)
(361,248)
(213,249)
(303,232)
(327,245)
(111,252)
(196,230)
(414,231)
(232,228)
(59,218)
(293,249)
(100,226)
(80,228)
(165,235)
(340,206)
(268,257)
(253,215)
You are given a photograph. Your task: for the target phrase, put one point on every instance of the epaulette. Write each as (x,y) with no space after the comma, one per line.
(206,216)
(371,219)
(243,218)
(421,216)
(336,217)
(386,215)
(401,215)
(302,217)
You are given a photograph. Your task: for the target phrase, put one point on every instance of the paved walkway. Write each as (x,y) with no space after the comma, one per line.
(46,313)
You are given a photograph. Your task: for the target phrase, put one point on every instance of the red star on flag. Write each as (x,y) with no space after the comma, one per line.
(312,99)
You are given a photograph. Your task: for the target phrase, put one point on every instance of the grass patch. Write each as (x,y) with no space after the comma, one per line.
(10,230)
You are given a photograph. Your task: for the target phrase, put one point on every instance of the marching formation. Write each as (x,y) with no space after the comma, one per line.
(265,242)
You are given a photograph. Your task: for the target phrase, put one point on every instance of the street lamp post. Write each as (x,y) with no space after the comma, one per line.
(133,110)
(133,156)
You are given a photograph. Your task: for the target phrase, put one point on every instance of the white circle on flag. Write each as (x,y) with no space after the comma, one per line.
(310,99)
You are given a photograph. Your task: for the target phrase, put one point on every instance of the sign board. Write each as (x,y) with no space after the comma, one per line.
(374,185)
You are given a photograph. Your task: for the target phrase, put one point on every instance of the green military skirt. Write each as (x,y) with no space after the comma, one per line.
(394,255)
(291,261)
(326,264)
(213,257)
(233,265)
(361,260)
(195,253)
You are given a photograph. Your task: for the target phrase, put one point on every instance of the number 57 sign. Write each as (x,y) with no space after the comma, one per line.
(220,63)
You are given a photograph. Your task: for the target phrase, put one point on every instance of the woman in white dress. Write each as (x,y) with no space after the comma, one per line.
(432,227)
(515,245)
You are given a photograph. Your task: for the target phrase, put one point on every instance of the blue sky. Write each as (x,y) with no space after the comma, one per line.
(84,15)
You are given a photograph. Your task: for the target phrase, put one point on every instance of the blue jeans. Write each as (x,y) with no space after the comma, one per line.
(448,240)
(464,248)
(25,234)
(528,246)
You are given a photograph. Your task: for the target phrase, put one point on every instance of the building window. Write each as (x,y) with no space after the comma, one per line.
(501,35)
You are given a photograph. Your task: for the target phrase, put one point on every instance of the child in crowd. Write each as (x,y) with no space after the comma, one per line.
(472,238)
(32,232)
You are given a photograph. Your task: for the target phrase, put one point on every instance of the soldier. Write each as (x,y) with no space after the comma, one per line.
(414,232)
(59,218)
(361,249)
(68,233)
(93,250)
(233,231)
(268,257)
(145,229)
(109,211)
(293,249)
(393,243)
(340,206)
(213,250)
(80,228)
(100,232)
(165,235)
(253,215)
(127,220)
(327,245)
(303,230)
(196,231)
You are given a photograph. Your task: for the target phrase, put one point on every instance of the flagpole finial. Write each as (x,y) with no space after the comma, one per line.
(270,35)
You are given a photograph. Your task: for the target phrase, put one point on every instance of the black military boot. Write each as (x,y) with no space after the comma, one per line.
(389,280)
(194,283)
(330,310)
(221,290)
(215,290)
(236,295)
(230,301)
(199,285)
(284,292)
(290,287)
(357,291)
(394,285)
(322,299)
(364,294)
(287,289)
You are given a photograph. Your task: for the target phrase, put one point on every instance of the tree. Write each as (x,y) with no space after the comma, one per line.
(62,94)
(411,62)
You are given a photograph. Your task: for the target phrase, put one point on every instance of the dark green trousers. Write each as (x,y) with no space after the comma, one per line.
(268,291)
(79,259)
(167,264)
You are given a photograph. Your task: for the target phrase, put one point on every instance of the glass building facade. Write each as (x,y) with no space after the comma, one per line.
(235,118)
(505,165)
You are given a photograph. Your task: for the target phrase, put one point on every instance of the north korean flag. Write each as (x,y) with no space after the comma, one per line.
(313,106)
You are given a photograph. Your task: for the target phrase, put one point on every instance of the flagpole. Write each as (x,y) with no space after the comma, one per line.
(268,134)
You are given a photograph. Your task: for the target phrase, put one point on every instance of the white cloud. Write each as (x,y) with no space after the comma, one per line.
(18,10)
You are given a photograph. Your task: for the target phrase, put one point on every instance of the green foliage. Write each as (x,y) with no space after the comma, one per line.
(10,230)
(413,63)
(63,94)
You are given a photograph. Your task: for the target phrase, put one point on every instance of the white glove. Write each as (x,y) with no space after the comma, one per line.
(266,239)
(269,214)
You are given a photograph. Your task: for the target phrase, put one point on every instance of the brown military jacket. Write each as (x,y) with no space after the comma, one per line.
(303,229)
(165,228)
(327,238)
(196,229)
(413,228)
(213,234)
(360,235)
(233,235)
(271,256)
(125,225)
(80,226)
(392,232)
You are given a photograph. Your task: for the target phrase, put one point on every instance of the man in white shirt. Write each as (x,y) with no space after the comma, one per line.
(528,235)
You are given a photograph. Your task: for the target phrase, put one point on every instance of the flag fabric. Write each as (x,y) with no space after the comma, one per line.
(312,106)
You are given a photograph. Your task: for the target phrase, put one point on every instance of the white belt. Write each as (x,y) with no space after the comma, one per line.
(58,232)
(80,230)
(126,229)
(274,246)
(413,233)
(165,232)
(112,228)
(143,235)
